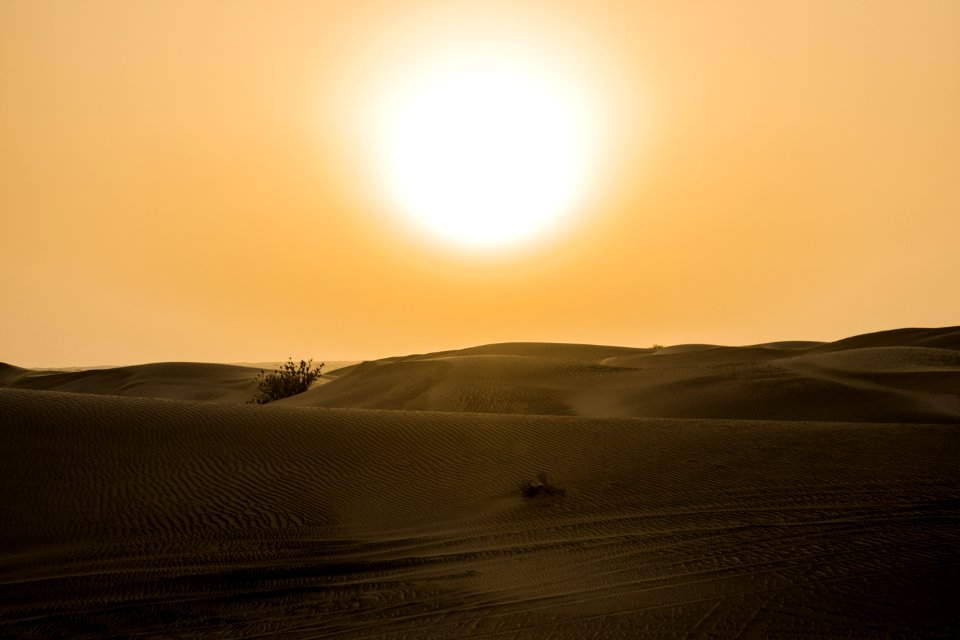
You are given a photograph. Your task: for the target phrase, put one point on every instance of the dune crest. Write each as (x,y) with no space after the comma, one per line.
(172,380)
(910,375)
(904,375)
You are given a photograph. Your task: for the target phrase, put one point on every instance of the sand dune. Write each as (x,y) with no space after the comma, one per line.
(10,374)
(906,375)
(791,344)
(942,338)
(173,380)
(128,516)
(833,512)
(869,378)
(576,352)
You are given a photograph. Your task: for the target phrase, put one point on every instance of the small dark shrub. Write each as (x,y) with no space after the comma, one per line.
(540,488)
(286,381)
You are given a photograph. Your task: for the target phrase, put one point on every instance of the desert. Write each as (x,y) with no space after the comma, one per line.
(779,490)
(416,319)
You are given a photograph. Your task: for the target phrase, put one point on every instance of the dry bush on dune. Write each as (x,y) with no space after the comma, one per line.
(287,381)
(542,487)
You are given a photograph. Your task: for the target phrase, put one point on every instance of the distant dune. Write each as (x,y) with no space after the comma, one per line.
(172,517)
(910,375)
(905,375)
(175,380)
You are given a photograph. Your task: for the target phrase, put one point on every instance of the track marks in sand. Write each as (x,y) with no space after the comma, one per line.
(556,590)
(126,517)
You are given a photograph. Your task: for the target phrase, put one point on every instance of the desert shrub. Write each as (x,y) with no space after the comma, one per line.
(542,487)
(288,380)
(656,347)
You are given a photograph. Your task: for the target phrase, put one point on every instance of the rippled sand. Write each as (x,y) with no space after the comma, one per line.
(128,516)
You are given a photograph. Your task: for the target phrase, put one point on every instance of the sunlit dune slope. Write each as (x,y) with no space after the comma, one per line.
(866,378)
(791,344)
(174,380)
(554,351)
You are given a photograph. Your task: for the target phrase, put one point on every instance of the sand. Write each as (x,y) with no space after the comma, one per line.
(899,376)
(159,517)
(173,380)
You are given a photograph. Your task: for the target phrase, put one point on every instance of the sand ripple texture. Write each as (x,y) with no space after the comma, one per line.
(131,517)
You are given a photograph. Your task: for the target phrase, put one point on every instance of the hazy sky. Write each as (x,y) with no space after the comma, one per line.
(188,180)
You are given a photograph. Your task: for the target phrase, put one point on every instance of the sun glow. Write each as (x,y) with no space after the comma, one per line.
(483,152)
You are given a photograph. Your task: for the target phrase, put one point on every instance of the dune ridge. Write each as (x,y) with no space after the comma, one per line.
(904,375)
(173,380)
(131,516)
(910,375)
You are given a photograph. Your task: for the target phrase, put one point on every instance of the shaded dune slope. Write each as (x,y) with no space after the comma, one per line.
(10,373)
(910,375)
(173,380)
(940,338)
(125,516)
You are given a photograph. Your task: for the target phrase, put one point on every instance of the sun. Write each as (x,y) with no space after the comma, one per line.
(482,152)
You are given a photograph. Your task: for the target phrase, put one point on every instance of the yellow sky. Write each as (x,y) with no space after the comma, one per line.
(182,181)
